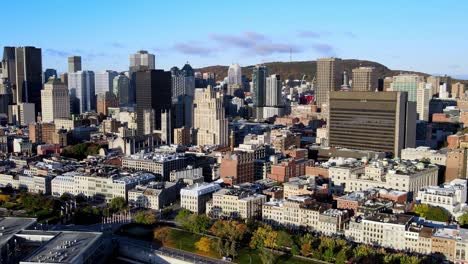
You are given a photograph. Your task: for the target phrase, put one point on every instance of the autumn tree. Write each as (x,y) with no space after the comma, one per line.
(145,218)
(162,234)
(228,229)
(264,236)
(267,257)
(306,249)
(204,244)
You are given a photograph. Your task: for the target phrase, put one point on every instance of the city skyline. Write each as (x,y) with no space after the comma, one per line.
(201,35)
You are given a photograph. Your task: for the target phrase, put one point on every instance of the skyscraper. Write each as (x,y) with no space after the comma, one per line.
(372,121)
(153,92)
(121,89)
(259,75)
(28,76)
(235,74)
(273,91)
(74,64)
(183,89)
(140,61)
(407,83)
(458,90)
(423,97)
(328,79)
(104,81)
(142,58)
(7,78)
(183,81)
(81,86)
(55,100)
(210,123)
(49,73)
(365,79)
(104,101)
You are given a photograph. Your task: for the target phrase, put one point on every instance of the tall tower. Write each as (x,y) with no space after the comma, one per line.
(273,91)
(259,75)
(81,88)
(328,79)
(235,74)
(210,123)
(55,100)
(28,76)
(74,64)
(407,83)
(153,92)
(183,89)
(104,81)
(121,89)
(365,79)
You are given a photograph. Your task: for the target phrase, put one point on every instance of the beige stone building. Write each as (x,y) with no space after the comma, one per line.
(195,197)
(55,100)
(210,123)
(236,203)
(328,78)
(365,79)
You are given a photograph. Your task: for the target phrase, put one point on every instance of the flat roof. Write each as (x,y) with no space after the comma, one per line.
(9,226)
(64,247)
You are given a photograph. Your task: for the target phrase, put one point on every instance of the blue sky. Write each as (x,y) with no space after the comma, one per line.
(428,36)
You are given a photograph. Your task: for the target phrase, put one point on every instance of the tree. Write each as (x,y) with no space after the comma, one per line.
(306,249)
(264,236)
(233,249)
(295,249)
(228,229)
(463,219)
(199,223)
(117,203)
(362,251)
(204,244)
(219,247)
(182,218)
(284,240)
(161,234)
(343,255)
(328,255)
(434,213)
(145,218)
(267,257)
(405,259)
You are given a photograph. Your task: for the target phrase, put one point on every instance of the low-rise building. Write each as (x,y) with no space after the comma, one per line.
(32,183)
(194,197)
(157,163)
(437,157)
(189,175)
(155,195)
(236,203)
(450,196)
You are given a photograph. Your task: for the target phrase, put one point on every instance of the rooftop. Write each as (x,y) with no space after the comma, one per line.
(9,226)
(64,247)
(397,219)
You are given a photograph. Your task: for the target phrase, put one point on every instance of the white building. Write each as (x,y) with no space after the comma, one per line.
(55,100)
(155,195)
(210,121)
(189,175)
(235,74)
(450,196)
(81,86)
(157,163)
(32,183)
(142,58)
(437,157)
(236,203)
(423,96)
(104,81)
(194,197)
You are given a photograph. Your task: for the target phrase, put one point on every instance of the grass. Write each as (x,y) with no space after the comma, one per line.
(248,255)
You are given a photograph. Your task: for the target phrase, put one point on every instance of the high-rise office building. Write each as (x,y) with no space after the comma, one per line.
(104,101)
(104,81)
(183,89)
(142,58)
(121,89)
(183,81)
(7,78)
(423,97)
(458,90)
(153,92)
(235,74)
(328,79)
(81,88)
(210,123)
(407,83)
(55,100)
(28,74)
(376,121)
(259,75)
(49,73)
(273,91)
(74,64)
(365,79)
